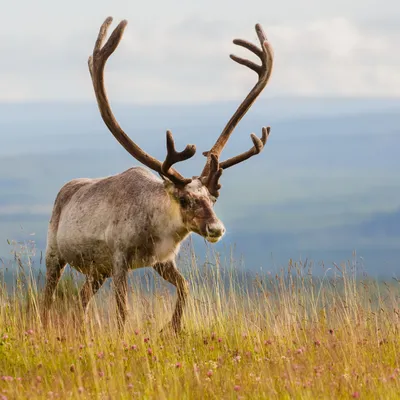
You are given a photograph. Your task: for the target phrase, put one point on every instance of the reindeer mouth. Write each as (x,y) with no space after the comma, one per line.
(214,236)
(209,236)
(213,239)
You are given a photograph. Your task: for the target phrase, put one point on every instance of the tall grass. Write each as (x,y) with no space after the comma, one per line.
(272,336)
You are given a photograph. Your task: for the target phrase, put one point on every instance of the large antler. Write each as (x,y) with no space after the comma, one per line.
(213,168)
(96,66)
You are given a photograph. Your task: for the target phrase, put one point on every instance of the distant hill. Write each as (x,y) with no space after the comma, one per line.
(327,182)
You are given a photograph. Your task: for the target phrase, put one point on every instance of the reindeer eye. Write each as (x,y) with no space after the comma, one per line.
(184,202)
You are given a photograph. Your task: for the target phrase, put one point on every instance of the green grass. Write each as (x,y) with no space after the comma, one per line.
(284,336)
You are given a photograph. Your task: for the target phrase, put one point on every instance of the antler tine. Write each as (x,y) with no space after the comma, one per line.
(174,156)
(96,63)
(211,180)
(243,61)
(105,51)
(259,144)
(216,168)
(266,55)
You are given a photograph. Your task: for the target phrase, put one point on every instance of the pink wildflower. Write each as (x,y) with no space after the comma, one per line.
(236,388)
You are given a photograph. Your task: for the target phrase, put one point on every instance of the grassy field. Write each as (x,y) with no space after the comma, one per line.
(284,336)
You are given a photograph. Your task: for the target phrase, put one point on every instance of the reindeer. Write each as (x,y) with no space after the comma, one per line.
(105,227)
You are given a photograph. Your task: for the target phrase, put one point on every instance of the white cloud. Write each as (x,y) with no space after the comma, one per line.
(188,62)
(336,57)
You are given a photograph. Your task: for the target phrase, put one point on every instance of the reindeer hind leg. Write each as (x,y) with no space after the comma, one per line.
(90,288)
(54,268)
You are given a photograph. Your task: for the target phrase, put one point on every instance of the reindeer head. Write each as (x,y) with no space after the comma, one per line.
(195,196)
(196,208)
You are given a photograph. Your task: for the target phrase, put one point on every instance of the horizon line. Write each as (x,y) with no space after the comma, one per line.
(202,102)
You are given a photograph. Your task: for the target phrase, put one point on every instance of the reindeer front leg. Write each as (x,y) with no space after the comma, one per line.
(120,280)
(172,275)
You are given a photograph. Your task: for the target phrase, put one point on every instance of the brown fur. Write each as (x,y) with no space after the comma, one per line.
(104,227)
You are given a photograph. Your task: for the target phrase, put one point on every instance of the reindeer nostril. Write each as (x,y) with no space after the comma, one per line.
(215,231)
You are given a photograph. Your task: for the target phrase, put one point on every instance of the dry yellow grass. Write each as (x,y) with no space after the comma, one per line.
(285,336)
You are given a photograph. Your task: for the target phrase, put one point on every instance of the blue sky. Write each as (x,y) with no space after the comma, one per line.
(178,51)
